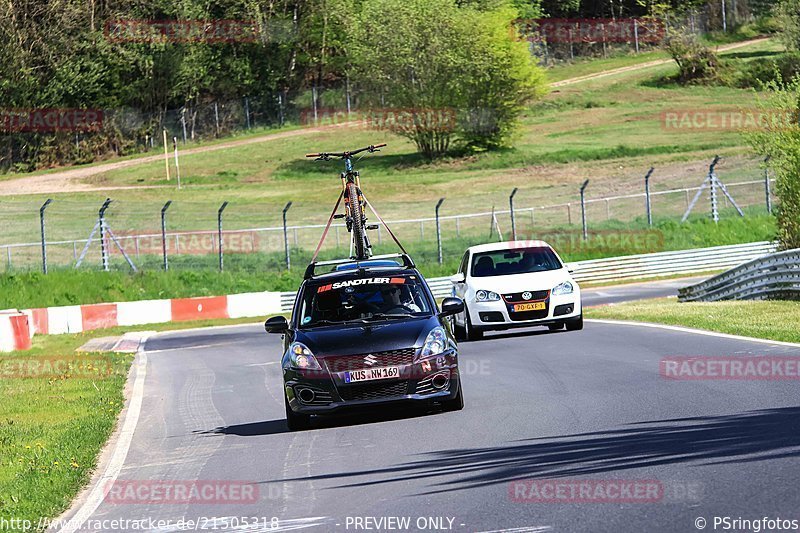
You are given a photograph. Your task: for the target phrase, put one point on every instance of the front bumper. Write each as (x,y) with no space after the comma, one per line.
(499,315)
(416,383)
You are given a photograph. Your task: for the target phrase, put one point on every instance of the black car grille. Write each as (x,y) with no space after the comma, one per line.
(356,362)
(373,391)
(517,296)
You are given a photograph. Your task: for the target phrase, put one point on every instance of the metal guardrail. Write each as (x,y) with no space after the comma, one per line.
(772,276)
(642,266)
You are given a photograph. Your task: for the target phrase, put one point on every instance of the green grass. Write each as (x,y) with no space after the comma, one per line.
(52,428)
(196,275)
(774,320)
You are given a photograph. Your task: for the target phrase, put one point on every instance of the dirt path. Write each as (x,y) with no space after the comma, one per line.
(69,180)
(642,66)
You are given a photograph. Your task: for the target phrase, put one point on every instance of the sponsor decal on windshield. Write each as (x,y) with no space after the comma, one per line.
(361,281)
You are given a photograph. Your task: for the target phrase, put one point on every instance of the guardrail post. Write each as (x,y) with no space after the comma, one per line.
(163,234)
(103,247)
(219,235)
(648,205)
(583,209)
(513,220)
(286,237)
(44,241)
(767,191)
(439,230)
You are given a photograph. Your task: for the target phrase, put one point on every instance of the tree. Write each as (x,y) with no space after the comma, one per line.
(788,12)
(455,73)
(780,140)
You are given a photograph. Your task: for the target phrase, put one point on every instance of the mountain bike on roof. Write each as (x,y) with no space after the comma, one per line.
(354,203)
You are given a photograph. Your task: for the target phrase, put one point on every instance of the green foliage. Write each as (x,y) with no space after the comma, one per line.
(780,141)
(763,71)
(696,61)
(457,72)
(788,12)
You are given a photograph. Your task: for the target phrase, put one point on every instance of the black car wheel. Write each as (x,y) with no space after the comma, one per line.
(472,334)
(575,324)
(556,327)
(294,421)
(457,403)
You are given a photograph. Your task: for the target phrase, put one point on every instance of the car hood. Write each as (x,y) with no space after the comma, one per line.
(353,339)
(535,281)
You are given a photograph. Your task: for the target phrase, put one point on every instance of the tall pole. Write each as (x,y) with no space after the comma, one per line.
(513,218)
(286,237)
(583,210)
(713,182)
(164,232)
(439,230)
(103,248)
(44,242)
(177,166)
(647,196)
(219,234)
(767,186)
(724,17)
(166,153)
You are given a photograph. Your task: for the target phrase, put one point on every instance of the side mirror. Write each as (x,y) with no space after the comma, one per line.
(451,306)
(276,324)
(458,278)
(571,267)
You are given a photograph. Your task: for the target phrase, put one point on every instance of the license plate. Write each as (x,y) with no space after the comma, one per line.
(536,306)
(370,374)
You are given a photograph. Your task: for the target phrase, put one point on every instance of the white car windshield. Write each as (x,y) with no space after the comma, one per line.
(510,262)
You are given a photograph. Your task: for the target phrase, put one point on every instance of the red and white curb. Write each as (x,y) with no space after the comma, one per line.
(79,318)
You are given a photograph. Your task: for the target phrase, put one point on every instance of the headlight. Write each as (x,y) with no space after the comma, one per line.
(487,296)
(301,357)
(435,343)
(562,288)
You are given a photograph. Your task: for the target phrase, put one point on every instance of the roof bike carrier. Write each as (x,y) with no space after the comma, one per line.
(361,264)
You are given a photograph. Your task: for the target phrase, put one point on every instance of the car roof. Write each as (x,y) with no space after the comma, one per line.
(366,272)
(508,245)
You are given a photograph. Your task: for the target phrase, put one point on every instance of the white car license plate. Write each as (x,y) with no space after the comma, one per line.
(370,374)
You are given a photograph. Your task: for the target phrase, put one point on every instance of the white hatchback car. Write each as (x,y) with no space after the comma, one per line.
(515,284)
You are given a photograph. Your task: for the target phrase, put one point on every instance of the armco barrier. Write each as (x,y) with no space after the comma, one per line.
(771,276)
(78,318)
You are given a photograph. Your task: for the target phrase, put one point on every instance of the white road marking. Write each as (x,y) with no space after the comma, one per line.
(523,529)
(198,347)
(263,364)
(682,329)
(123,444)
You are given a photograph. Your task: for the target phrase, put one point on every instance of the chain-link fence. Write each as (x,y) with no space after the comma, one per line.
(249,235)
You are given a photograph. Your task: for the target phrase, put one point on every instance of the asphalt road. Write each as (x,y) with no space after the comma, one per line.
(569,405)
(636,291)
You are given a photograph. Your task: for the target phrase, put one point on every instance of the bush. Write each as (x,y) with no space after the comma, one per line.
(761,72)
(696,61)
(788,12)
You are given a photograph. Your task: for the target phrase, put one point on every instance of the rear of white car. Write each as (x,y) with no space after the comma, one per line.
(513,285)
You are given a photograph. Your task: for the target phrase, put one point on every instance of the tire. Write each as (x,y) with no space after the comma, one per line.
(472,334)
(457,403)
(294,421)
(556,327)
(576,324)
(359,242)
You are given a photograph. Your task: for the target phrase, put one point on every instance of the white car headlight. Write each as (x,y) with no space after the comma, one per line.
(435,342)
(562,288)
(487,296)
(301,357)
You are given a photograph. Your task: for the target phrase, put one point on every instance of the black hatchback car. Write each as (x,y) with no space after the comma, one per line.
(366,334)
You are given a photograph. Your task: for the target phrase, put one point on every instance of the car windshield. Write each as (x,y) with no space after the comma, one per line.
(509,262)
(363,299)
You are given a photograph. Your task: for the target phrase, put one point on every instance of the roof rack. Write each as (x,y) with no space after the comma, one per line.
(407,263)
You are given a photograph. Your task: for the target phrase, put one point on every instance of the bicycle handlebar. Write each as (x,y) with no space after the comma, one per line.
(327,155)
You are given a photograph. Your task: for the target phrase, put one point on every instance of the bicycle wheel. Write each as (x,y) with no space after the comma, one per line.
(359,240)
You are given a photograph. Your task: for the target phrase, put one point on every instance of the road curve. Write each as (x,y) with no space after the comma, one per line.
(568,405)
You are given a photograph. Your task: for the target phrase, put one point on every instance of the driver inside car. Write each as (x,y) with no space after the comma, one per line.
(396,300)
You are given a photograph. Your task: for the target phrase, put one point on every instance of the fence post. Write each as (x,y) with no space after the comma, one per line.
(219,234)
(216,119)
(583,209)
(103,248)
(177,166)
(166,153)
(571,47)
(767,186)
(44,242)
(164,233)
(648,206)
(8,256)
(247,111)
(422,230)
(636,33)
(513,219)
(439,230)
(183,123)
(458,226)
(286,237)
